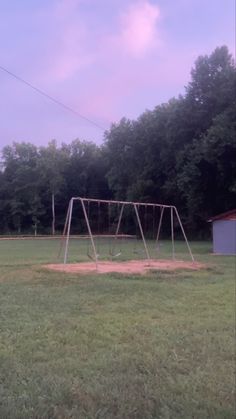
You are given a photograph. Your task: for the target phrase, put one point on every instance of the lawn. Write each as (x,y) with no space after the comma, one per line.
(113,346)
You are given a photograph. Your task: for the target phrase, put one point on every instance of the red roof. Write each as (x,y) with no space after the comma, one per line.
(229,215)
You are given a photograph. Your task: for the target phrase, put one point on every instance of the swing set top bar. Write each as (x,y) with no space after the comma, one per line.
(106,201)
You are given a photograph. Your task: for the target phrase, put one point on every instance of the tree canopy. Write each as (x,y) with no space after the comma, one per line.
(182,152)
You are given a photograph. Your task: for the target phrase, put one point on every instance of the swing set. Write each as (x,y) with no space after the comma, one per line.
(112,213)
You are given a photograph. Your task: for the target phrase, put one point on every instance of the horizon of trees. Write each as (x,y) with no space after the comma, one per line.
(182,152)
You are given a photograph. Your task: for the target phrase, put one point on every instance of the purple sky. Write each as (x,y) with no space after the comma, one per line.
(104,58)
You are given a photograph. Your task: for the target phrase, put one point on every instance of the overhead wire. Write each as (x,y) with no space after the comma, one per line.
(58,102)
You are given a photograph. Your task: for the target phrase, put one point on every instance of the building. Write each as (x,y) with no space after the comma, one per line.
(224,233)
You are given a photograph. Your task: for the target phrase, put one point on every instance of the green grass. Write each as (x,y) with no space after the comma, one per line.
(30,251)
(113,346)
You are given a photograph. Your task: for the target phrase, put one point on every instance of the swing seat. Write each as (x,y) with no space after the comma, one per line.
(115,255)
(138,252)
(92,257)
(158,247)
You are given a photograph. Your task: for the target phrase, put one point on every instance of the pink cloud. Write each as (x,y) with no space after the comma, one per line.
(65,50)
(135,34)
(65,8)
(70,55)
(69,48)
(139,27)
(112,97)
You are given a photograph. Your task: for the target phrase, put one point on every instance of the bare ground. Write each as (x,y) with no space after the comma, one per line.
(130,267)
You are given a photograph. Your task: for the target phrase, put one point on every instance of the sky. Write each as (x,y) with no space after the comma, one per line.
(106,59)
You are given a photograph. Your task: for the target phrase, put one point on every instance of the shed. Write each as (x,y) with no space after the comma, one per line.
(224,233)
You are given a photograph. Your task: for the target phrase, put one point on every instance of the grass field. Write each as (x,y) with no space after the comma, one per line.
(113,346)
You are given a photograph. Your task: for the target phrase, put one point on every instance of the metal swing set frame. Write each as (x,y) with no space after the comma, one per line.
(121,204)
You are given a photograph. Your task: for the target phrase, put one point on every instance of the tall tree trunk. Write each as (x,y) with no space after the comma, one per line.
(53,214)
(35,229)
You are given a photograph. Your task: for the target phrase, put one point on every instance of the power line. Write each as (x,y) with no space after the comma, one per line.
(41,92)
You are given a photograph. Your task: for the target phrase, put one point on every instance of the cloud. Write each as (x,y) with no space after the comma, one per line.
(66,49)
(134,34)
(74,43)
(65,8)
(139,28)
(68,56)
(90,63)
(114,55)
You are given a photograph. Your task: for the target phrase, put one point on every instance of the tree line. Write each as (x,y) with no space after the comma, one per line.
(182,152)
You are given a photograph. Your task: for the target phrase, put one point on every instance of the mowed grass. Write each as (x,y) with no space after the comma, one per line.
(113,346)
(38,251)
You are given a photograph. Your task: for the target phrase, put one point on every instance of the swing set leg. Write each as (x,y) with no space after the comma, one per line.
(90,233)
(141,231)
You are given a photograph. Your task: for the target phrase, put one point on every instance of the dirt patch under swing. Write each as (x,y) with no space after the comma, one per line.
(128,267)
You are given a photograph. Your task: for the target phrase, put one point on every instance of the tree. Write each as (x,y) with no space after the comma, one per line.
(208,173)
(21,184)
(51,165)
(167,154)
(119,152)
(211,89)
(182,152)
(85,171)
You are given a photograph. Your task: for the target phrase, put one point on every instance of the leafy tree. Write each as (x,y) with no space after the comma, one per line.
(208,173)
(21,181)
(119,152)
(85,171)
(182,152)
(211,90)
(51,165)
(167,154)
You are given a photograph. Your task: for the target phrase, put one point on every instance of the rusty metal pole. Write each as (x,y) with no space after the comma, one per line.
(141,231)
(90,233)
(68,230)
